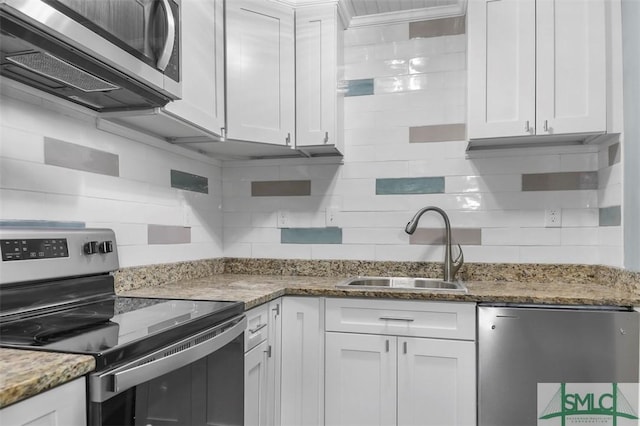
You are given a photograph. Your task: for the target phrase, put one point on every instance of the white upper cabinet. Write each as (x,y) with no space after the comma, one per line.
(319,54)
(199,115)
(260,72)
(202,100)
(536,67)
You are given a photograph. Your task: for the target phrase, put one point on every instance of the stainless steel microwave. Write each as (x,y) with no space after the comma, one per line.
(108,55)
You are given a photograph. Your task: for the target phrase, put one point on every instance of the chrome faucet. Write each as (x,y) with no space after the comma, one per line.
(450,267)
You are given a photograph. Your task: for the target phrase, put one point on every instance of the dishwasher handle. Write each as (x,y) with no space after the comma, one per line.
(165,360)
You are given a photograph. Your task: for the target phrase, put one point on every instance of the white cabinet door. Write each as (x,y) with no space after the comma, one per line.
(256,387)
(318,56)
(571,67)
(260,72)
(436,382)
(202,68)
(536,67)
(360,379)
(501,63)
(274,364)
(61,406)
(303,361)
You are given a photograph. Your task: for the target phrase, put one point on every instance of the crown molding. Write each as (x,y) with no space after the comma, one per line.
(425,14)
(346,12)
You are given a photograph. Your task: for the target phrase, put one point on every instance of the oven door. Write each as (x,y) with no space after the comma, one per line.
(196,381)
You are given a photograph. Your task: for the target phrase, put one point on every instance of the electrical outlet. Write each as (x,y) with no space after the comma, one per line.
(553,218)
(331,217)
(282,218)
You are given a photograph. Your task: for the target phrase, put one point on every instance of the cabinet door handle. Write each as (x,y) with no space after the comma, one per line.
(288,139)
(386,345)
(405,319)
(527,128)
(546,125)
(268,351)
(258,328)
(326,137)
(404,347)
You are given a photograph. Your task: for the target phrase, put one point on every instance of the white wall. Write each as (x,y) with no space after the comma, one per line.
(483,192)
(141,195)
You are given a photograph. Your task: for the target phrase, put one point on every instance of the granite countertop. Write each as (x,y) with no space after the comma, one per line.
(255,290)
(26,373)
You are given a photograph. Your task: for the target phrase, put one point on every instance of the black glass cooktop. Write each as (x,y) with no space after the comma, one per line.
(116,329)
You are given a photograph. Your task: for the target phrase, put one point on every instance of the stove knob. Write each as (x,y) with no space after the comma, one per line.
(91,247)
(106,247)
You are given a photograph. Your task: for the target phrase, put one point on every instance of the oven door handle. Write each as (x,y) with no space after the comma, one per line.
(163,361)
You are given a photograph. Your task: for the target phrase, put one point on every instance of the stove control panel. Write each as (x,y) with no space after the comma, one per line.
(55,253)
(27,249)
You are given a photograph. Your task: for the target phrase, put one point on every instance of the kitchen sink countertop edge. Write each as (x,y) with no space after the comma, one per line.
(255,290)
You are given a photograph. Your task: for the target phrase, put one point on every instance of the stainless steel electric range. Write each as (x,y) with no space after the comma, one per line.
(158,361)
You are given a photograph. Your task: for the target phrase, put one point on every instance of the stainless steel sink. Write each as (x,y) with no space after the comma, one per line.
(433,284)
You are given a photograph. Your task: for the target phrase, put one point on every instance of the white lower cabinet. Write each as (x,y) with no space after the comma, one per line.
(302,361)
(64,405)
(256,386)
(262,365)
(401,375)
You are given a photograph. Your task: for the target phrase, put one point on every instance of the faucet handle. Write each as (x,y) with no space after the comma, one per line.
(457,263)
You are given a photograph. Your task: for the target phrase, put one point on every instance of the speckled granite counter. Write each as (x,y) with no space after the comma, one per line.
(27,373)
(254,290)
(256,281)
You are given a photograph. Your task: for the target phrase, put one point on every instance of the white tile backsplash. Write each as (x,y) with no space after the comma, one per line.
(418,82)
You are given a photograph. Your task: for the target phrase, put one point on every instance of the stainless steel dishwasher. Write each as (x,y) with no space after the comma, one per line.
(520,346)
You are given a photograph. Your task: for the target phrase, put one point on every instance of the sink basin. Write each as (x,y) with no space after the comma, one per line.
(433,284)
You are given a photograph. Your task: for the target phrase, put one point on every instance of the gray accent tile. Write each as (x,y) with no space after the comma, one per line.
(420,185)
(435,236)
(565,181)
(614,153)
(189,182)
(438,133)
(437,27)
(164,234)
(78,157)
(311,236)
(41,224)
(280,188)
(610,216)
(359,87)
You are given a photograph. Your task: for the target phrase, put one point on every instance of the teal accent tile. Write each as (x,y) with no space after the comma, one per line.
(421,185)
(41,224)
(359,87)
(311,236)
(610,216)
(189,182)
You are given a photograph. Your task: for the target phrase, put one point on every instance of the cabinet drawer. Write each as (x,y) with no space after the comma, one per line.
(257,326)
(446,320)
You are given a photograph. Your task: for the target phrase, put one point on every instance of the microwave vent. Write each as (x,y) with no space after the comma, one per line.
(57,69)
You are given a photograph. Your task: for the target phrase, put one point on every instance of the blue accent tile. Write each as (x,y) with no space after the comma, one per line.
(610,216)
(359,87)
(311,236)
(41,224)
(422,185)
(189,182)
